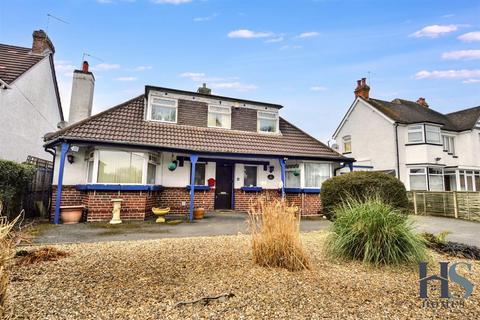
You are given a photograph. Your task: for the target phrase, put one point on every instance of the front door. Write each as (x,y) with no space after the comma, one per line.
(223,186)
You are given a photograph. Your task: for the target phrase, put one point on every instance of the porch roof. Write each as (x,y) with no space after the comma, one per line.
(125,125)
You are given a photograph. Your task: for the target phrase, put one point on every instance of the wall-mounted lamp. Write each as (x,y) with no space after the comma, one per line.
(438,159)
(70,158)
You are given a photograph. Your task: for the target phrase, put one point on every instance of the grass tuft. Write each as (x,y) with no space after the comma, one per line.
(275,229)
(375,233)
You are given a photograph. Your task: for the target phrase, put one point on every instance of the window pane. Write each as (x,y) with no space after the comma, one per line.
(267,115)
(151,173)
(315,174)
(418,182)
(292,181)
(164,113)
(266,125)
(450,182)
(250,176)
(417,170)
(435,171)
(119,167)
(433,134)
(165,102)
(219,120)
(200,174)
(469,183)
(90,171)
(436,183)
(415,137)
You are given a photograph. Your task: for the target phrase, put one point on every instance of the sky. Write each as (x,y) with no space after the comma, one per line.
(305,55)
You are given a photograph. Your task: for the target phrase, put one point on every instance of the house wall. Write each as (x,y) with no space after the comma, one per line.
(28,111)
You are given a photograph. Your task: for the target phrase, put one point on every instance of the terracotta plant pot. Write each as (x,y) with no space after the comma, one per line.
(198,213)
(71,214)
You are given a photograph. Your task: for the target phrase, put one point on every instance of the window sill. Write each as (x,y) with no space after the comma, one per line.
(198,188)
(251,189)
(301,190)
(119,187)
(420,143)
(347,152)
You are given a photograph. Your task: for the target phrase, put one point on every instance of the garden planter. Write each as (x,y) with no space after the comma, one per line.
(71,214)
(198,213)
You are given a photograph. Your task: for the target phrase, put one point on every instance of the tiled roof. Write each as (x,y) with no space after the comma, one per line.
(15,61)
(404,111)
(125,124)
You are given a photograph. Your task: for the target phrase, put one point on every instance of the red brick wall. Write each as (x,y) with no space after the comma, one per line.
(308,203)
(173,198)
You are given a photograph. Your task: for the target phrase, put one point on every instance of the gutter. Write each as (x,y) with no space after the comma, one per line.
(397,151)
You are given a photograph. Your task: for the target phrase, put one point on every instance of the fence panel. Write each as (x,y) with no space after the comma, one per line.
(37,198)
(453,204)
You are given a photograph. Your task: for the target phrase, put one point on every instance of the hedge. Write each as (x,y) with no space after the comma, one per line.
(362,185)
(14,180)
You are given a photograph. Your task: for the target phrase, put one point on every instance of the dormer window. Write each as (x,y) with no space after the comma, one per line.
(219,117)
(162,109)
(267,121)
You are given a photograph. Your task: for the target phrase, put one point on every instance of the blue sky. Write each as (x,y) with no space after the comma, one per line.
(304,54)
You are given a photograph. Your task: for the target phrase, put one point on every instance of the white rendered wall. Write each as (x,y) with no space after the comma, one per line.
(28,111)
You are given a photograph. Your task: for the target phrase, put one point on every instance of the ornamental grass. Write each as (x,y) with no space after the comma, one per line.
(275,229)
(375,233)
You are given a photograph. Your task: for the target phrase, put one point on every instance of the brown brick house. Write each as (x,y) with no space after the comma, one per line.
(181,149)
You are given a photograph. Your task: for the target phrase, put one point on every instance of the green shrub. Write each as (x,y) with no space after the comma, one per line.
(375,233)
(362,185)
(14,180)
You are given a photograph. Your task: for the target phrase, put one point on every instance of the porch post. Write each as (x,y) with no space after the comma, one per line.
(193,160)
(63,154)
(350,166)
(282,175)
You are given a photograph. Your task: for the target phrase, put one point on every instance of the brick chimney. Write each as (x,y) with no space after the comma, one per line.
(82,94)
(362,89)
(421,101)
(204,90)
(41,43)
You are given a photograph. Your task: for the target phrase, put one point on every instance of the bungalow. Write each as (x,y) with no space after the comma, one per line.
(182,149)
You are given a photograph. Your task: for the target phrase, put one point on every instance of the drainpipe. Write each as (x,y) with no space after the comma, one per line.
(63,154)
(193,160)
(282,175)
(398,155)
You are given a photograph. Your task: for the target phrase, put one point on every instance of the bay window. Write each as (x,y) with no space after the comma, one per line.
(250,176)
(219,117)
(316,174)
(163,109)
(267,121)
(432,134)
(119,167)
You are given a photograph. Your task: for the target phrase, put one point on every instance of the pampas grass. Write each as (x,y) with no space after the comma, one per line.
(275,229)
(7,246)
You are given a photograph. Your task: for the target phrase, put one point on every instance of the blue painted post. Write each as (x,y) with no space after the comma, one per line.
(193,160)
(282,175)
(63,154)
(350,165)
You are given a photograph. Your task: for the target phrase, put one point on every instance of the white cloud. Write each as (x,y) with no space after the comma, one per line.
(318,88)
(175,2)
(447,74)
(469,81)
(434,31)
(470,36)
(289,47)
(273,40)
(462,55)
(204,19)
(448,15)
(309,34)
(126,79)
(195,76)
(248,34)
(234,86)
(64,67)
(105,67)
(142,68)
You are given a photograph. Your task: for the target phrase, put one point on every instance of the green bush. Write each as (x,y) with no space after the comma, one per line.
(14,180)
(375,233)
(362,185)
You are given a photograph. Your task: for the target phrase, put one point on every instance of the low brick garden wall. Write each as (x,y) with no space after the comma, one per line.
(137,205)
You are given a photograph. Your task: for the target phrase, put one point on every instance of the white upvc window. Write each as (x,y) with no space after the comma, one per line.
(449,144)
(152,167)
(418,178)
(219,117)
(415,133)
(162,109)
(432,134)
(316,174)
(435,179)
(347,144)
(292,176)
(267,121)
(250,176)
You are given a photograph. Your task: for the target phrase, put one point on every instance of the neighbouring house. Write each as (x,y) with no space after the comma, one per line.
(182,149)
(29,99)
(425,149)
